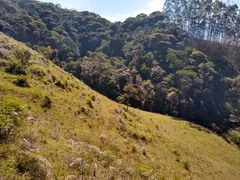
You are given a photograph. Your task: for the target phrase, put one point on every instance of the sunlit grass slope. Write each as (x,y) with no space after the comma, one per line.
(69,131)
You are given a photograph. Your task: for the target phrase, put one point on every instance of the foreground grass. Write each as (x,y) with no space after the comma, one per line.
(79,133)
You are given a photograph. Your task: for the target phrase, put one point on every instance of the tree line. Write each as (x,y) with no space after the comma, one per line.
(206,19)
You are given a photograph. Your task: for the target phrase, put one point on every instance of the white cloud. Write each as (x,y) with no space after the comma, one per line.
(120,17)
(86,5)
(113,18)
(150,6)
(81,5)
(154,5)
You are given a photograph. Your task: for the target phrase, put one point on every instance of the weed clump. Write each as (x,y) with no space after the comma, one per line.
(186,165)
(30,165)
(134,148)
(22,82)
(47,102)
(60,84)
(83,109)
(93,98)
(90,103)
(144,151)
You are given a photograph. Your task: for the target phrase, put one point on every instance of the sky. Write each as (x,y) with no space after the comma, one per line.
(117,10)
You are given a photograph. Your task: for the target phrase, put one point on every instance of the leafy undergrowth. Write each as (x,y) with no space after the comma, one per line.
(65,130)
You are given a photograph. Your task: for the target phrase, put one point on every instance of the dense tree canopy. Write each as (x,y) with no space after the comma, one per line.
(182,62)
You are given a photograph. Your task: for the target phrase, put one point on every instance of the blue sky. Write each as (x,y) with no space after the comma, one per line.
(117,10)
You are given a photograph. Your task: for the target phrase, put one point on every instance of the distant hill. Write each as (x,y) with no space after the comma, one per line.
(52,126)
(148,62)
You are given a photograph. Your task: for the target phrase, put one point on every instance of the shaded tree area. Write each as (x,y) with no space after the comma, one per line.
(72,33)
(159,63)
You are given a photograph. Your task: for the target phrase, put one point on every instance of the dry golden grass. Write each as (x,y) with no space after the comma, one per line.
(114,143)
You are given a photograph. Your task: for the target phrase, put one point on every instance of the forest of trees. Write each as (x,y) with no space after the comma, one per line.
(206,19)
(183,62)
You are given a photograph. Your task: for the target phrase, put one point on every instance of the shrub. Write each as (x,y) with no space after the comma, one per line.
(234,136)
(60,84)
(28,164)
(10,122)
(53,77)
(38,72)
(144,172)
(197,55)
(22,82)
(19,67)
(24,56)
(186,73)
(15,68)
(93,98)
(47,102)
(46,51)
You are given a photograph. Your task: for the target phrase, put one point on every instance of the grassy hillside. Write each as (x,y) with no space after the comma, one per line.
(52,126)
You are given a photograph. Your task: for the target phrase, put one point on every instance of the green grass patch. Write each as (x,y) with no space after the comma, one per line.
(10,119)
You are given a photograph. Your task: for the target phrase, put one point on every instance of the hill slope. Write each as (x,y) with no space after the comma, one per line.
(59,128)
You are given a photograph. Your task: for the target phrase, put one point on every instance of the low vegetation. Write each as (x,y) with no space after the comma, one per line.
(47,102)
(22,81)
(11,121)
